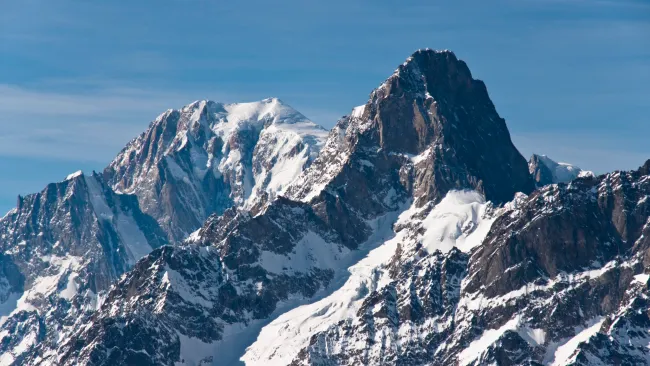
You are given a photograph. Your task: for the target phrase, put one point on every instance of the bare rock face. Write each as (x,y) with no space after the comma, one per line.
(542,173)
(11,280)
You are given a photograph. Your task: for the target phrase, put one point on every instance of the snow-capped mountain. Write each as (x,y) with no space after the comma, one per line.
(207,157)
(554,278)
(63,248)
(414,237)
(401,152)
(547,171)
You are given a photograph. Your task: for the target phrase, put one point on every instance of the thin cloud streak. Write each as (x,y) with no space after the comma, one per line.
(92,126)
(77,126)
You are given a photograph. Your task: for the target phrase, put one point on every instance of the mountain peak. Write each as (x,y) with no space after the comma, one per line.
(432,103)
(545,170)
(272,100)
(74,175)
(431,73)
(428,53)
(645,168)
(208,155)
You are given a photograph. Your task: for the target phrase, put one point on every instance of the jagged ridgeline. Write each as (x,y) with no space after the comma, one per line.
(413,233)
(64,247)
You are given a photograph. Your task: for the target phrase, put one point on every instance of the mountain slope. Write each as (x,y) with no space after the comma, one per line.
(560,278)
(416,139)
(64,247)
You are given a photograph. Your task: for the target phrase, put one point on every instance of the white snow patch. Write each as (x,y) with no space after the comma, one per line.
(8,306)
(6,359)
(74,175)
(586,173)
(643,278)
(194,237)
(71,287)
(98,200)
(177,172)
(25,344)
(535,337)
(422,156)
(311,251)
(277,149)
(133,238)
(479,346)
(564,353)
(239,116)
(194,351)
(278,342)
(44,286)
(357,112)
(457,221)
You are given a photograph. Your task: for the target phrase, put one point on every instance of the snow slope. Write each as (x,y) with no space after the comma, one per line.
(460,220)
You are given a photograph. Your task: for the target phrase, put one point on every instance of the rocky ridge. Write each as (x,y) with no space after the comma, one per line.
(64,247)
(560,278)
(417,139)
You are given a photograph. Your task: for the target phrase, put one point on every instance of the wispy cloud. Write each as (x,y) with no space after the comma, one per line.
(80,126)
(94,122)
(19,100)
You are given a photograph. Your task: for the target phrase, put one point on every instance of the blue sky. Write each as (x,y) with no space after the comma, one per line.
(80,79)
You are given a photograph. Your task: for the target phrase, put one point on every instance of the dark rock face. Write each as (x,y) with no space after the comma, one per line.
(79,217)
(11,280)
(471,143)
(420,290)
(432,108)
(589,221)
(622,339)
(186,294)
